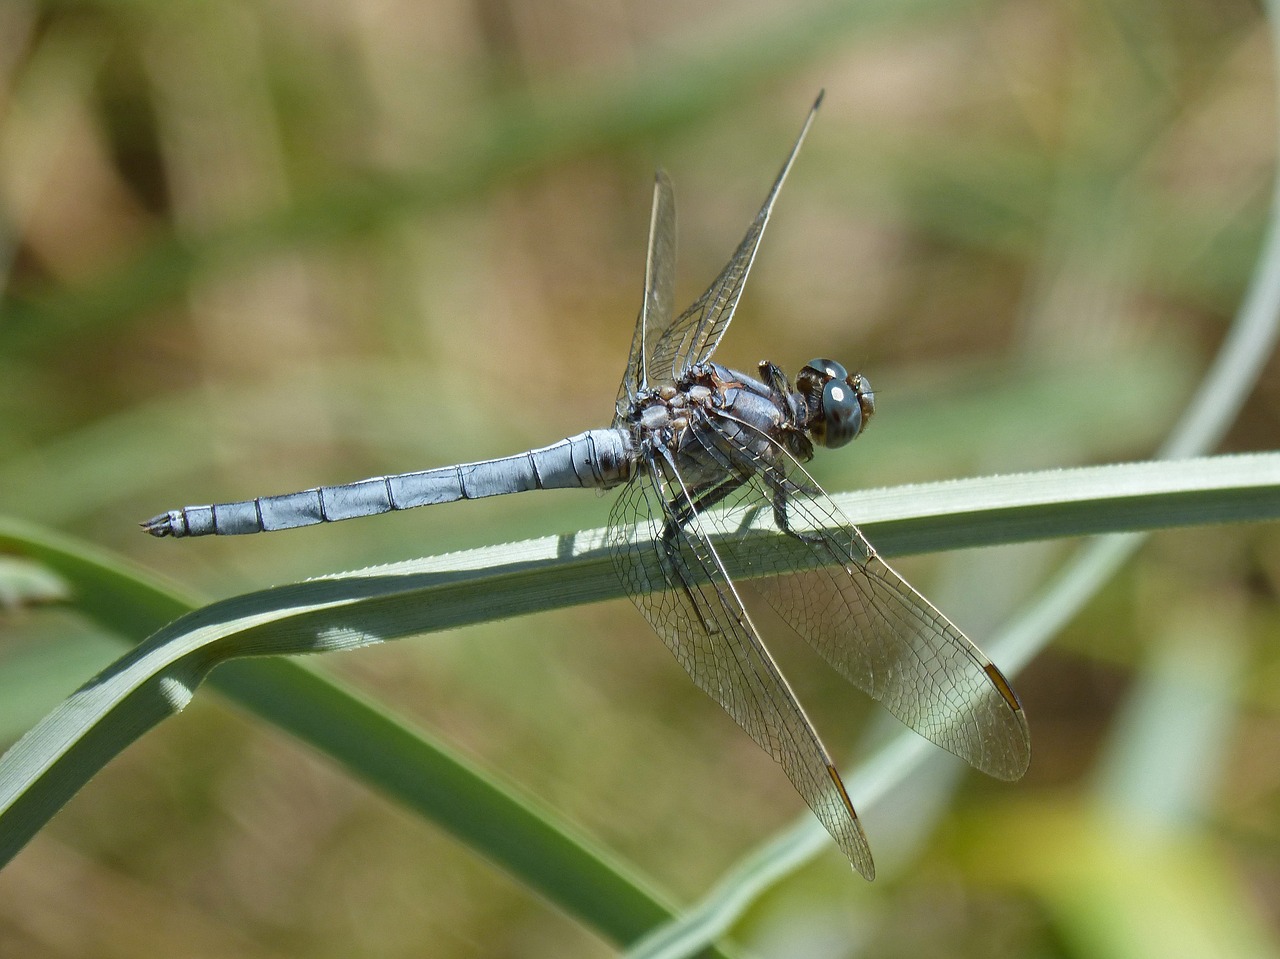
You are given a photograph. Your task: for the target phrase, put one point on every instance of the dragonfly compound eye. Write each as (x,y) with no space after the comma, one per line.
(839,404)
(841,415)
(824,370)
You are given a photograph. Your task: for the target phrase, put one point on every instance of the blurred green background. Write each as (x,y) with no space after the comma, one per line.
(249,247)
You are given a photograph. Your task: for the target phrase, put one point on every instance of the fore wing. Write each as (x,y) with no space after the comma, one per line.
(693,337)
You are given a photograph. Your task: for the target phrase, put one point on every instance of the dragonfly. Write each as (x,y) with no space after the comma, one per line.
(692,443)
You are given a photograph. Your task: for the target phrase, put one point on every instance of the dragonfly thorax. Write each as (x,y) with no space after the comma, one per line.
(661,416)
(838,403)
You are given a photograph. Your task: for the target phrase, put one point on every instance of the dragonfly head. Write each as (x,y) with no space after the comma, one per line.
(839,403)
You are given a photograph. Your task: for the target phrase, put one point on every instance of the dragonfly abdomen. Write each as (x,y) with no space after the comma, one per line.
(596,458)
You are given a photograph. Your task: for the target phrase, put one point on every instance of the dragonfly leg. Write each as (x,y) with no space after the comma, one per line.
(780,515)
(773,377)
(679,512)
(682,509)
(782,486)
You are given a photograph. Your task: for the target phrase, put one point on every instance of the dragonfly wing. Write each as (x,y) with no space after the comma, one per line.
(868,622)
(681,587)
(693,337)
(659,292)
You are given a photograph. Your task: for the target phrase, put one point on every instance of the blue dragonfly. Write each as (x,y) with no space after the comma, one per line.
(693,442)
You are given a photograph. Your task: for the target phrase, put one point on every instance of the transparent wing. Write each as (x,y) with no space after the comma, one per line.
(693,337)
(680,586)
(866,620)
(659,291)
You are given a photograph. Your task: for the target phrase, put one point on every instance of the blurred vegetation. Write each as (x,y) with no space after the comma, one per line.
(250,247)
